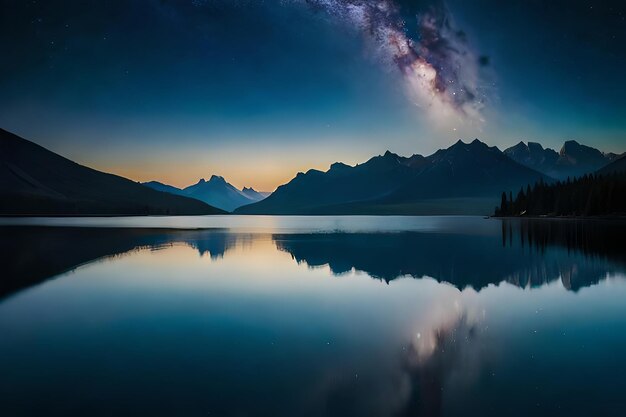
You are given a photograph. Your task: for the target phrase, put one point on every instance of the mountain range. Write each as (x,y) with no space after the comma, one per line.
(36,181)
(462,179)
(573,160)
(216,191)
(466,178)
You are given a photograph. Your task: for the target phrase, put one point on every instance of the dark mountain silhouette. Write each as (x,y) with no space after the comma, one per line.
(36,181)
(459,180)
(465,170)
(316,190)
(216,192)
(616,167)
(573,160)
(580,159)
(159,186)
(534,156)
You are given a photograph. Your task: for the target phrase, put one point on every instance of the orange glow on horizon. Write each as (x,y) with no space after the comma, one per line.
(264,177)
(263,168)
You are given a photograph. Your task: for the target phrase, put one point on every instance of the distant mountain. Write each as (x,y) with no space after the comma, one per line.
(612,156)
(216,192)
(159,186)
(535,156)
(36,181)
(573,160)
(253,194)
(219,192)
(580,159)
(615,167)
(463,179)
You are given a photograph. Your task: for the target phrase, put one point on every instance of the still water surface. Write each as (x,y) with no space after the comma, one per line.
(319,316)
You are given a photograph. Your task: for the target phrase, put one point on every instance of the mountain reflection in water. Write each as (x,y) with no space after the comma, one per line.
(30,255)
(527,253)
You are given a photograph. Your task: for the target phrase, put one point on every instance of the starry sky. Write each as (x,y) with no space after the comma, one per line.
(176,90)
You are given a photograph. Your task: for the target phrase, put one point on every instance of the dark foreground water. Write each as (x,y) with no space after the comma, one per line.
(366,316)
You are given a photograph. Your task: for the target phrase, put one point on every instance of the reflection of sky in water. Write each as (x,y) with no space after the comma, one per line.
(272,224)
(176,329)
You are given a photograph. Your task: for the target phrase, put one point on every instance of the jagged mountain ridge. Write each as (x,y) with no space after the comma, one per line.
(573,159)
(466,178)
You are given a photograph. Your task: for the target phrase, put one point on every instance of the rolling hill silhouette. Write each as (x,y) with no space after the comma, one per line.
(36,181)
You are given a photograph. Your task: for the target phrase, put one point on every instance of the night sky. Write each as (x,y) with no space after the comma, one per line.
(259,90)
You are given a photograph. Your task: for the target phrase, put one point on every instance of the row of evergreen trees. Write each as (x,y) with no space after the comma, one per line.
(590,195)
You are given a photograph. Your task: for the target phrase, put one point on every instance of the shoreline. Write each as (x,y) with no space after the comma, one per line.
(546,217)
(10,216)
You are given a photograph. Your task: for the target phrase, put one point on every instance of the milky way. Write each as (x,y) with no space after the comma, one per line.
(442,74)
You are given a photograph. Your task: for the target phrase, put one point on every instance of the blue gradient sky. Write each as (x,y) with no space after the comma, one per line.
(259,90)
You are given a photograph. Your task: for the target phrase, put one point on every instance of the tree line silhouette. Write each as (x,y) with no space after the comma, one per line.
(589,195)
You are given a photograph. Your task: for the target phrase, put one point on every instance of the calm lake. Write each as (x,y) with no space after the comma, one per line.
(312,316)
